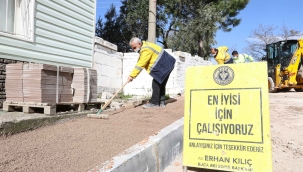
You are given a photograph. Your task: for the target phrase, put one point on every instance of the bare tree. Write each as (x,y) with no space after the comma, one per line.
(288,33)
(233,48)
(265,34)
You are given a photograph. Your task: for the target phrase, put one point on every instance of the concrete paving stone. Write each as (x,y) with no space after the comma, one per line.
(115,105)
(106,95)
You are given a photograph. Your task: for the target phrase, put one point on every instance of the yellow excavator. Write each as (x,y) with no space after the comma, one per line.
(285,65)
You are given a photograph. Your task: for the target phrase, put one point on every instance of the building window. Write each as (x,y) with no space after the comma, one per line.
(17,18)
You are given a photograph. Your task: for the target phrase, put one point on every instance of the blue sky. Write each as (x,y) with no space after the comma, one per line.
(103,6)
(265,12)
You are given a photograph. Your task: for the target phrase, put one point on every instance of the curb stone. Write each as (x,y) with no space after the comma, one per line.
(150,155)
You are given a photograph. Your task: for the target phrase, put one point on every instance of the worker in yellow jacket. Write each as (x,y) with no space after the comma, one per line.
(221,55)
(158,63)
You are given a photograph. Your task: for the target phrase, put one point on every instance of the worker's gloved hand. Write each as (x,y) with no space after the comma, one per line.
(130,79)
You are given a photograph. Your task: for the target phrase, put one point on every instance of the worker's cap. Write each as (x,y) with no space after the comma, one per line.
(234,53)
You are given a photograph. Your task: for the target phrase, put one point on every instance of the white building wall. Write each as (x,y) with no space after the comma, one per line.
(113,69)
(184,60)
(108,63)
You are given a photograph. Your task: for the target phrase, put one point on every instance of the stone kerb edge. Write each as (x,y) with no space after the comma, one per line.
(146,155)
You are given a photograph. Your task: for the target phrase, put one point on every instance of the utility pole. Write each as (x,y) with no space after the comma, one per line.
(152,21)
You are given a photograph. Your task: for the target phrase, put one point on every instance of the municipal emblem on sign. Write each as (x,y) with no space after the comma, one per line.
(223,75)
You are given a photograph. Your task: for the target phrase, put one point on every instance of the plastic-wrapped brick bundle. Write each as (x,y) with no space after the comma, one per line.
(39,83)
(13,82)
(84,85)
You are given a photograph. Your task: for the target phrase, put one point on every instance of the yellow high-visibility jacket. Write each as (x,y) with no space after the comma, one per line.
(157,62)
(222,55)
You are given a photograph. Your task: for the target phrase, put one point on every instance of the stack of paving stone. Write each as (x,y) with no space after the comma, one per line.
(40,83)
(3,63)
(14,92)
(84,85)
(37,83)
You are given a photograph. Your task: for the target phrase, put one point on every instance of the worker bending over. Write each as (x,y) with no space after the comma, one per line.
(221,55)
(158,63)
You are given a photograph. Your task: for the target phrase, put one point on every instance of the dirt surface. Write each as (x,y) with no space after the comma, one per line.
(82,144)
(286,112)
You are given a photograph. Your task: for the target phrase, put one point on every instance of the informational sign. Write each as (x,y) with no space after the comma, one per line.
(226,119)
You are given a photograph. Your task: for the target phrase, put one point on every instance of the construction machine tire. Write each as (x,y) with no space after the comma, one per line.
(271,86)
(299,89)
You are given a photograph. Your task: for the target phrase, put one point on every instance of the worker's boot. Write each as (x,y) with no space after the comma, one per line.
(162,101)
(150,105)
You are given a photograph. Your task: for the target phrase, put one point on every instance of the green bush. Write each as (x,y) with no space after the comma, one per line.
(167,97)
(123,96)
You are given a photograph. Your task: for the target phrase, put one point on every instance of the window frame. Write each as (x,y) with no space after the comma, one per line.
(23,38)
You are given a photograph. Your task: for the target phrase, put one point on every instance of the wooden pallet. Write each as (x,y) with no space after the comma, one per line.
(48,108)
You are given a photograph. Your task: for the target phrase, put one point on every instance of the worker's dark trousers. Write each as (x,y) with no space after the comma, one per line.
(230,61)
(158,91)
